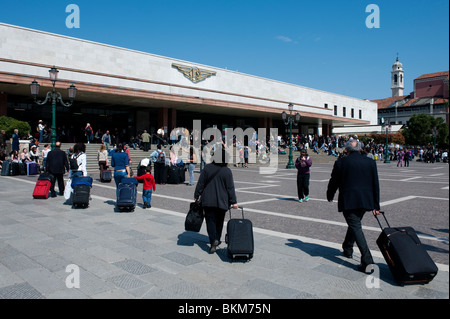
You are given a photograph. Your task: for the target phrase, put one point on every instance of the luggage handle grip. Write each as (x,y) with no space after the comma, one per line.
(239,207)
(378,220)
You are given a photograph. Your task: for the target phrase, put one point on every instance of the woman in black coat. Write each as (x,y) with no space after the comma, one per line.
(215,186)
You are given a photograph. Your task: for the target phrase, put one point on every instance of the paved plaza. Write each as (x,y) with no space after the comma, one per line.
(50,250)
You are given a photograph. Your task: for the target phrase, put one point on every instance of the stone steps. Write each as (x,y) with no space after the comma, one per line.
(137,155)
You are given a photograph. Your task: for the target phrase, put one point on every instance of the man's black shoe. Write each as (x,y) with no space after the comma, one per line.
(348,255)
(367,269)
(53,195)
(214,246)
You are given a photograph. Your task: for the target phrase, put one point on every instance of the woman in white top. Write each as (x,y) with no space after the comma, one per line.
(102,158)
(78,167)
(44,154)
(25,156)
(34,154)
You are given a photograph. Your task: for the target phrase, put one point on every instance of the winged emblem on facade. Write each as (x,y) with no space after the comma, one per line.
(193,73)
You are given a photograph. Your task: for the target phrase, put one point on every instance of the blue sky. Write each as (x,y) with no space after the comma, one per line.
(320,44)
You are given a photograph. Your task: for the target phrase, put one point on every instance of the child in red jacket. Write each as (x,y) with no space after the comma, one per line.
(149,186)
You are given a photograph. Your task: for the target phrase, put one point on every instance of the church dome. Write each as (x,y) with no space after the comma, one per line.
(397,65)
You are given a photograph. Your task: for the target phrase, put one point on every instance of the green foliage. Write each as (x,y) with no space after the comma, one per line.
(420,131)
(9,124)
(395,138)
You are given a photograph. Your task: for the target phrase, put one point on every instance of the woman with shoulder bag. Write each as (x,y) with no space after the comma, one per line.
(215,186)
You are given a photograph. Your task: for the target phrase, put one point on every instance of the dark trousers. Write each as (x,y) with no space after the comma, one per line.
(302,185)
(61,187)
(214,218)
(355,234)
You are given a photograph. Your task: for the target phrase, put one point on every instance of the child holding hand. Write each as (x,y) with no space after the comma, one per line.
(149,186)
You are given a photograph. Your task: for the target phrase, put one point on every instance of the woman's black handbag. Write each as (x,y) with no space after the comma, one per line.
(194,218)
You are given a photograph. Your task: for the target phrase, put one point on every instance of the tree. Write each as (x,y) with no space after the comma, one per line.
(9,124)
(420,130)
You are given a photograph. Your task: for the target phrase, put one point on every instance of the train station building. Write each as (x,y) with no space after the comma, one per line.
(119,88)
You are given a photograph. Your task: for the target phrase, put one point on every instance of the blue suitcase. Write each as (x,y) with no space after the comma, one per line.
(126,194)
(81,191)
(32,168)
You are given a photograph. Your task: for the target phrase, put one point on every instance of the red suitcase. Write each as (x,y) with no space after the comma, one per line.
(42,189)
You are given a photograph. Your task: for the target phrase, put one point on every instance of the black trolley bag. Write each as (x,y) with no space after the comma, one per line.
(239,237)
(173,176)
(126,194)
(194,217)
(106,176)
(405,255)
(81,191)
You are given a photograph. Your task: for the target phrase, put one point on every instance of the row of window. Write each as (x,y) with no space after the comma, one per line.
(344,111)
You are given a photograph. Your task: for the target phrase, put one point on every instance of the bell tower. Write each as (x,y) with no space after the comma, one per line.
(397,79)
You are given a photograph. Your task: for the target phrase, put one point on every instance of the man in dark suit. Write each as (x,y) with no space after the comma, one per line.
(356,177)
(57,165)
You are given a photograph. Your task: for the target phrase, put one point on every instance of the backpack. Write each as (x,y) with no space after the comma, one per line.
(73,163)
(161,159)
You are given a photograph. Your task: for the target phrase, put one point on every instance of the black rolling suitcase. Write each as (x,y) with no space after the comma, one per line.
(126,194)
(405,255)
(182,173)
(173,176)
(239,238)
(106,176)
(81,191)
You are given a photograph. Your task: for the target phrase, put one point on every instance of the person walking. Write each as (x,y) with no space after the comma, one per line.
(89,133)
(102,158)
(145,141)
(77,161)
(120,162)
(149,186)
(406,157)
(57,165)
(106,139)
(400,155)
(303,165)
(192,160)
(356,177)
(215,190)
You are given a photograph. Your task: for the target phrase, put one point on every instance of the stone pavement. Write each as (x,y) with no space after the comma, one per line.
(46,244)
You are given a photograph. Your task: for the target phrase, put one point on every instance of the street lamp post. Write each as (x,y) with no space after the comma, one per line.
(54,96)
(386,125)
(289,120)
(434,131)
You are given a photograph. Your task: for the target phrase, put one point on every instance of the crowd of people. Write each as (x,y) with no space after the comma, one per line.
(215,186)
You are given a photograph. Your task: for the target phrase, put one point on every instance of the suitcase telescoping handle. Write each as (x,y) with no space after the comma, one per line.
(378,220)
(239,207)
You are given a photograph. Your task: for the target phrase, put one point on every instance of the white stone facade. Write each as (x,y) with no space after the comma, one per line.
(29,53)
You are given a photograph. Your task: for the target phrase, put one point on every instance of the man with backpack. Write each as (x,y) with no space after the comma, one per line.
(161,170)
